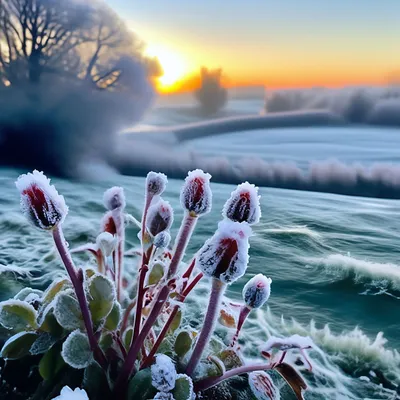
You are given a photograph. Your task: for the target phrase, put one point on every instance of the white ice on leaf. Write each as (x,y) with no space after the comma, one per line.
(196,195)
(190,395)
(106,242)
(262,386)
(18,315)
(67,311)
(211,255)
(114,198)
(53,210)
(257,291)
(68,394)
(243,205)
(163,373)
(288,343)
(76,350)
(156,183)
(28,294)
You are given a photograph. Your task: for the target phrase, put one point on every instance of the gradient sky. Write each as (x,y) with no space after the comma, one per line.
(279,43)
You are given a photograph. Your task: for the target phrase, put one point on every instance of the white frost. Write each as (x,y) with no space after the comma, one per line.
(106,242)
(257,291)
(68,394)
(211,256)
(159,217)
(54,210)
(243,205)
(163,373)
(114,198)
(156,183)
(291,342)
(196,195)
(162,240)
(76,350)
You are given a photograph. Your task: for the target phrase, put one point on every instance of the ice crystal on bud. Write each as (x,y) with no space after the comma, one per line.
(106,243)
(40,201)
(196,193)
(114,198)
(256,291)
(243,205)
(163,373)
(156,183)
(162,240)
(68,394)
(225,255)
(291,342)
(159,218)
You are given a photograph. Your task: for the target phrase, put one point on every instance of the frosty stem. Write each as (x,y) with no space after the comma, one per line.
(119,220)
(217,290)
(244,312)
(214,380)
(60,243)
(185,232)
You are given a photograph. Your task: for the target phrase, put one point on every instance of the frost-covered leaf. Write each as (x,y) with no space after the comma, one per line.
(163,373)
(25,292)
(18,346)
(230,358)
(176,322)
(218,363)
(95,382)
(48,322)
(18,315)
(67,312)
(76,350)
(51,363)
(183,388)
(128,335)
(262,386)
(101,297)
(157,273)
(140,386)
(292,377)
(183,343)
(113,319)
(56,287)
(42,344)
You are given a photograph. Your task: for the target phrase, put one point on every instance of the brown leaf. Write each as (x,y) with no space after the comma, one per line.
(292,377)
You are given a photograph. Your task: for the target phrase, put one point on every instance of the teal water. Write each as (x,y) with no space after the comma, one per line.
(333,261)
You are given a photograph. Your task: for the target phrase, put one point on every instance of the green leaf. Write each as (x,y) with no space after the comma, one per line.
(42,344)
(183,343)
(18,315)
(76,350)
(67,312)
(113,318)
(230,358)
(106,341)
(157,273)
(128,338)
(183,388)
(51,363)
(95,382)
(176,322)
(101,297)
(55,288)
(49,324)
(18,346)
(140,386)
(292,377)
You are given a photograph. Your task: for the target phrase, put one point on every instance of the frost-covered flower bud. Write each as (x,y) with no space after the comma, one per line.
(68,394)
(256,291)
(156,183)
(162,240)
(159,217)
(40,201)
(243,205)
(225,255)
(114,198)
(108,223)
(163,373)
(106,242)
(196,196)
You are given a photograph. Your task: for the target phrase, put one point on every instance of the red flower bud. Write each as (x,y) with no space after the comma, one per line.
(108,223)
(159,217)
(40,201)
(243,205)
(225,255)
(196,193)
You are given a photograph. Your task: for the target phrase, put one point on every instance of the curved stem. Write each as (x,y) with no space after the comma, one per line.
(139,300)
(212,381)
(182,240)
(217,290)
(62,248)
(125,318)
(244,312)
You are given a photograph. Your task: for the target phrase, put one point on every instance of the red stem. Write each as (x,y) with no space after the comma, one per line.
(126,315)
(139,300)
(62,248)
(192,284)
(188,272)
(244,312)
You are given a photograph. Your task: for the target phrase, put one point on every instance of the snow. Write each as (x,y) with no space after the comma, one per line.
(196,195)
(40,201)
(243,205)
(114,198)
(212,257)
(257,291)
(68,394)
(292,342)
(156,183)
(159,217)
(163,373)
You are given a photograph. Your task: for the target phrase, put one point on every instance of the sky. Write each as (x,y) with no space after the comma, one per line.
(276,43)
